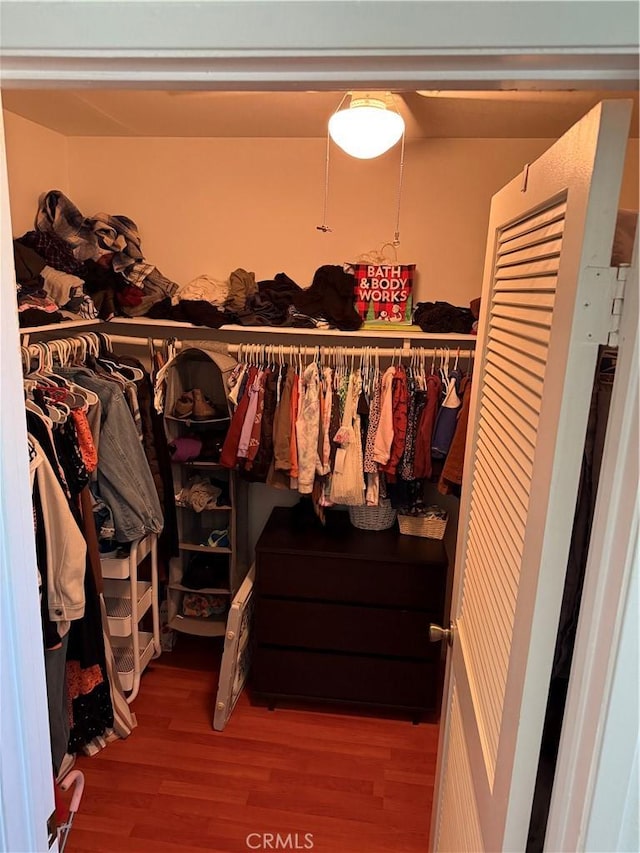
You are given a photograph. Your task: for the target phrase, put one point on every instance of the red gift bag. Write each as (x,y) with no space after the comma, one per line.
(384,290)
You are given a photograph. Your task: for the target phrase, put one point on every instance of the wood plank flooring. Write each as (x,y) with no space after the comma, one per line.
(357,784)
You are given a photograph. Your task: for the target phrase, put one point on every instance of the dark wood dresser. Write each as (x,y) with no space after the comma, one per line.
(343,615)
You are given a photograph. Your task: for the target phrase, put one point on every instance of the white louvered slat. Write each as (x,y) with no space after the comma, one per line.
(507,413)
(519,324)
(527,316)
(513,364)
(513,356)
(520,345)
(506,540)
(545,266)
(504,581)
(496,381)
(532,285)
(542,249)
(554,213)
(537,334)
(491,470)
(504,462)
(527,298)
(503,546)
(497,433)
(459,807)
(511,411)
(531,238)
(508,397)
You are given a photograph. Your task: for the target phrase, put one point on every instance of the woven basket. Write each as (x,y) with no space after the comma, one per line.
(422,525)
(372,517)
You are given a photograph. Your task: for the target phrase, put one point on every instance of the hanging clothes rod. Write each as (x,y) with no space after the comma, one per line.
(388,352)
(286,349)
(235,349)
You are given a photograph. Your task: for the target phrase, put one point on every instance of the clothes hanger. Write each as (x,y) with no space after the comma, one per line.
(32,406)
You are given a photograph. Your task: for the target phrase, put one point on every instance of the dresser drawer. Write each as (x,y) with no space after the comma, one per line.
(353,678)
(345,628)
(419,586)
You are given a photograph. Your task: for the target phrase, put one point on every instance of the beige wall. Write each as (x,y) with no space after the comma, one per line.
(210,205)
(37,160)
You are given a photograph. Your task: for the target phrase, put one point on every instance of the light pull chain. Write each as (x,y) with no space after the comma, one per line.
(324,227)
(396,236)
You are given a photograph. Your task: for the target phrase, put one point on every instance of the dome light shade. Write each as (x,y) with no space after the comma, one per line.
(366,128)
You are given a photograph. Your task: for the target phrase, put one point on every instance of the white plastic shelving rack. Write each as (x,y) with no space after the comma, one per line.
(127,600)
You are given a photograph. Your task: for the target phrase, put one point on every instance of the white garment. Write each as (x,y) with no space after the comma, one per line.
(325,464)
(347,483)
(372,496)
(204,288)
(307,429)
(66,547)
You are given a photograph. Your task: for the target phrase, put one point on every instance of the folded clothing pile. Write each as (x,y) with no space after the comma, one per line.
(207,571)
(444,317)
(328,303)
(202,493)
(104,252)
(46,293)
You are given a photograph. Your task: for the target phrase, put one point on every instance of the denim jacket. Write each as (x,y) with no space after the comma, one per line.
(124,478)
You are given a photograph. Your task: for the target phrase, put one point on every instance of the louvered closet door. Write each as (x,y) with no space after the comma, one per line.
(545,308)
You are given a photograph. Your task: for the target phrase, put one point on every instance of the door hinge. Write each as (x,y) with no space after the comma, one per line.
(617,303)
(601,304)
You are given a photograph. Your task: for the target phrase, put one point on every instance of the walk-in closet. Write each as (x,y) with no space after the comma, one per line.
(301,549)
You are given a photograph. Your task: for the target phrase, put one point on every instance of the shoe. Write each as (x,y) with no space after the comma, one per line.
(218,539)
(184,405)
(203,409)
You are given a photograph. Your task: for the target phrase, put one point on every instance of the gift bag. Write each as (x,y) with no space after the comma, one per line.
(383,288)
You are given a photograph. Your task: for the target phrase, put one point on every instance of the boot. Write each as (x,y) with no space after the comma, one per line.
(203,410)
(184,405)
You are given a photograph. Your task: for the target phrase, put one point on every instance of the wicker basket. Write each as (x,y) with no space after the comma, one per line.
(422,525)
(372,517)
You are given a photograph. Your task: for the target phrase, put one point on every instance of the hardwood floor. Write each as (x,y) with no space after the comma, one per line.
(357,784)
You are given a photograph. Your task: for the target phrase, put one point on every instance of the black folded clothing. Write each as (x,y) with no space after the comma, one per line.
(207,571)
(331,295)
(443,317)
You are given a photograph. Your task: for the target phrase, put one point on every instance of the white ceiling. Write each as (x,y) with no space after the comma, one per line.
(106,112)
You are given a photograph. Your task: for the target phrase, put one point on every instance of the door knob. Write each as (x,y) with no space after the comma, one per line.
(437,634)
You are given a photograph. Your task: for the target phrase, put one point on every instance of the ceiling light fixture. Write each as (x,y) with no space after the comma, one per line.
(367,127)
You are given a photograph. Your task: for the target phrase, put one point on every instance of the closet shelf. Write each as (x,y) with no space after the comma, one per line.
(195,463)
(399,332)
(117,594)
(209,509)
(197,421)
(205,549)
(205,590)
(124,658)
(210,627)
(65,324)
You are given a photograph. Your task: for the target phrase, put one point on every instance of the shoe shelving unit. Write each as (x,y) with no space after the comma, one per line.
(196,406)
(194,529)
(127,600)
